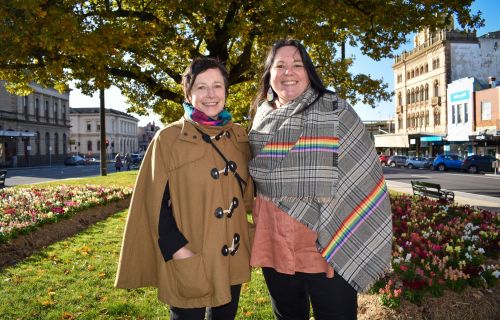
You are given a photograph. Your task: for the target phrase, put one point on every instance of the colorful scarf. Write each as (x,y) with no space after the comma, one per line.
(198,116)
(314,159)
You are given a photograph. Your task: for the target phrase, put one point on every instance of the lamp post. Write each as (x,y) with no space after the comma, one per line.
(104,161)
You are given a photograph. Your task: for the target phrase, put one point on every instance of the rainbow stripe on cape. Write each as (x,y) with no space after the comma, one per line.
(304,144)
(355,219)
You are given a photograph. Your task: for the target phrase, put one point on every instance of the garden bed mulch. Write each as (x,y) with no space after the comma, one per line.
(473,303)
(25,245)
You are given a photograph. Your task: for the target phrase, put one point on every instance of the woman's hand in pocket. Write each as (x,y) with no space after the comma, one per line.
(183,253)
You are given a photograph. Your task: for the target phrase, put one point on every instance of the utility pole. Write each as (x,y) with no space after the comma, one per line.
(104,160)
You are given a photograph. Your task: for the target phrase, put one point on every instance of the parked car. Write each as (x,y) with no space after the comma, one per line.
(74,160)
(136,158)
(417,163)
(397,161)
(449,161)
(477,163)
(383,159)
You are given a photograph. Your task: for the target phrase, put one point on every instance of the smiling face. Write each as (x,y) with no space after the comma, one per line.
(289,77)
(208,93)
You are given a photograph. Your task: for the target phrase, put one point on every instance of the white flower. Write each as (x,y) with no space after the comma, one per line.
(408,257)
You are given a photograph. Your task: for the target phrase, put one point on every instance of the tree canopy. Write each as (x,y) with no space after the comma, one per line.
(143,46)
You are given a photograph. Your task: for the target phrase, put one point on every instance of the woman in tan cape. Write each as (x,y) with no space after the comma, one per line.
(187,232)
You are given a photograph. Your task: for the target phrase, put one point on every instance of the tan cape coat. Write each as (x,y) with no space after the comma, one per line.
(180,156)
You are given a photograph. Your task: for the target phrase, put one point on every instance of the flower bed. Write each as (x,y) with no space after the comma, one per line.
(437,246)
(22,210)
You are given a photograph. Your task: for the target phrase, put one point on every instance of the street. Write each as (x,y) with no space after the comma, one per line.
(481,184)
(34,175)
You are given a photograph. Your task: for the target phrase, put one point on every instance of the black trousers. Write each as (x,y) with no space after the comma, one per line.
(224,312)
(291,295)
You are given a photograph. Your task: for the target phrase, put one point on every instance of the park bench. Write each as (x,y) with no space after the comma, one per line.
(431,190)
(3,175)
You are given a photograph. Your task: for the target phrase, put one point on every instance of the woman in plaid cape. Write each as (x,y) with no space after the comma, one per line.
(322,209)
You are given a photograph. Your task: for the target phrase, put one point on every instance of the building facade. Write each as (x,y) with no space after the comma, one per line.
(421,79)
(34,129)
(486,138)
(145,135)
(85,139)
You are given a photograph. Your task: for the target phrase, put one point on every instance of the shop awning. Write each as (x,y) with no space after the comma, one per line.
(9,133)
(392,140)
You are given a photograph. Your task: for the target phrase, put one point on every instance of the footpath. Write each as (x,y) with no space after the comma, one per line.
(464,198)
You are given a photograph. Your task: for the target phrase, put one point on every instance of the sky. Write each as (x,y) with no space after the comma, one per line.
(378,69)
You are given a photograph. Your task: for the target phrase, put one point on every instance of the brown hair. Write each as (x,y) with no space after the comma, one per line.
(198,66)
(316,82)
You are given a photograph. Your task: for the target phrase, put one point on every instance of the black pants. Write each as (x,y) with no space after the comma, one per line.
(331,298)
(224,312)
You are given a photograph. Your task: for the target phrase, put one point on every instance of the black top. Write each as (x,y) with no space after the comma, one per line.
(170,239)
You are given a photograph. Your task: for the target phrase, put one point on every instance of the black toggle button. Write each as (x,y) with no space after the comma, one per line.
(232,166)
(225,251)
(236,238)
(219,213)
(215,173)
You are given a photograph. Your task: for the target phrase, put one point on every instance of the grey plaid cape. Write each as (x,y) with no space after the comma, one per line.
(314,159)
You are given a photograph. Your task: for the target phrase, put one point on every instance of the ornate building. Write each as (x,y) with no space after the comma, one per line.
(34,129)
(121,132)
(421,79)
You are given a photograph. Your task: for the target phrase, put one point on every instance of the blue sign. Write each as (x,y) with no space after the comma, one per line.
(431,139)
(459,96)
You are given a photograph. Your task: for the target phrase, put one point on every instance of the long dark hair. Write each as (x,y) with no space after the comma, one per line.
(316,82)
(198,66)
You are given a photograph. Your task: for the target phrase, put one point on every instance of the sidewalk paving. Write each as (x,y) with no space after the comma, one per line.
(464,198)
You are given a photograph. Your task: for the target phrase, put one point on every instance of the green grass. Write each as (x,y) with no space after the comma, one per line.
(73,279)
(124,178)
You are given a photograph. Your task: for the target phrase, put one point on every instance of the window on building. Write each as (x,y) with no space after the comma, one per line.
(436,88)
(37,143)
(417,94)
(47,143)
(98,126)
(400,99)
(453,114)
(485,110)
(408,75)
(412,96)
(37,109)
(417,72)
(89,145)
(437,63)
(421,69)
(56,143)
(426,92)
(437,119)
(459,113)
(25,103)
(400,123)
(466,113)
(413,73)
(421,93)
(426,68)
(55,111)
(89,126)
(427,119)
(65,144)
(46,110)
(408,97)
(64,113)
(98,145)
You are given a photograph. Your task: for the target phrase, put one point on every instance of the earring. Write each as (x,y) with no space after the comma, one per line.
(270,94)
